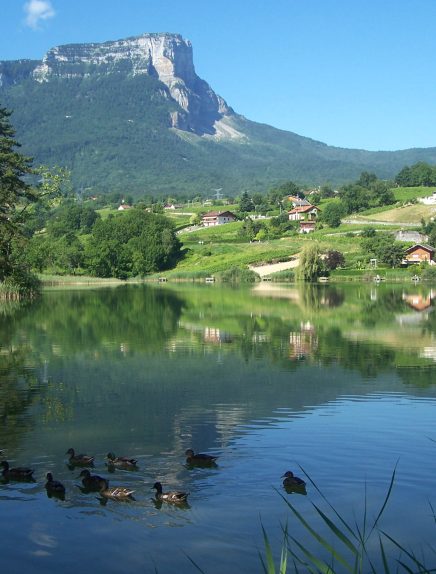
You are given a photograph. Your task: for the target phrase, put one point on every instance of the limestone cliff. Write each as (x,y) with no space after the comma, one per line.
(168,57)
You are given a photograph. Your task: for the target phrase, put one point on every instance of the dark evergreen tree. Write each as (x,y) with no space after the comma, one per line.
(246,203)
(15,194)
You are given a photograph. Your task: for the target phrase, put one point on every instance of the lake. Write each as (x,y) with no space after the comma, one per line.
(336,383)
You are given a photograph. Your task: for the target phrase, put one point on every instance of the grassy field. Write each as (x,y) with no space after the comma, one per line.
(209,251)
(404,214)
(409,193)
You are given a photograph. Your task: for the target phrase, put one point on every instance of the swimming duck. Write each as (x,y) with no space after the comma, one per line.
(91,481)
(79,459)
(175,497)
(18,473)
(199,458)
(291,481)
(121,461)
(115,492)
(54,486)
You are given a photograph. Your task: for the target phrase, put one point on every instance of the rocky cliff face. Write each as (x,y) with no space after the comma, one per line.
(168,57)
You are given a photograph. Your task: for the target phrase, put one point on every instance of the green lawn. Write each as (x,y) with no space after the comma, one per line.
(408,193)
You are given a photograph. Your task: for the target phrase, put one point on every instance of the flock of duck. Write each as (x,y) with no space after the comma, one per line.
(96,483)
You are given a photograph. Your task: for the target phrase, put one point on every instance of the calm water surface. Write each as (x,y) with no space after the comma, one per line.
(338,381)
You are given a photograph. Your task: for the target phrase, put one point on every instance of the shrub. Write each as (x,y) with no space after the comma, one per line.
(429,274)
(285,275)
(238,275)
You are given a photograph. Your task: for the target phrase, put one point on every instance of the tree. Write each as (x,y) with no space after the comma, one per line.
(383,193)
(132,244)
(290,188)
(311,264)
(354,197)
(332,213)
(327,191)
(384,248)
(246,203)
(420,173)
(72,218)
(15,193)
(334,259)
(366,179)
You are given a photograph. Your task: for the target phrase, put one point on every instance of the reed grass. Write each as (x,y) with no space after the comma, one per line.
(349,549)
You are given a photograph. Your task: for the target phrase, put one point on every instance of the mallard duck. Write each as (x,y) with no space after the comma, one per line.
(90,481)
(199,458)
(116,492)
(17,473)
(79,459)
(175,497)
(54,486)
(291,481)
(121,461)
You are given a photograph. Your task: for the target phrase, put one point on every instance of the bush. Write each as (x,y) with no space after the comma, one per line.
(334,259)
(429,274)
(287,275)
(238,275)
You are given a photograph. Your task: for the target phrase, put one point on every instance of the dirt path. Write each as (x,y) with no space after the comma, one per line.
(264,270)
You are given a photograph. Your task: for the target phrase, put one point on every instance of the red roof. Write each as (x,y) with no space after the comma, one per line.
(303,209)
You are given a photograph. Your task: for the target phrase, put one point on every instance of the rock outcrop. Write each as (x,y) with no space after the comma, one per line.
(168,57)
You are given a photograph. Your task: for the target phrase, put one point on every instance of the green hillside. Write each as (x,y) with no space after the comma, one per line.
(113,131)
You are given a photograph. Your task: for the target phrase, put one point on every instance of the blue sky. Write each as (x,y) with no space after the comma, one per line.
(350,73)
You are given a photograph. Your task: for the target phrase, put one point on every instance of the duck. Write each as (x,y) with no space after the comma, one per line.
(18,473)
(121,461)
(54,486)
(91,481)
(79,459)
(174,497)
(115,492)
(199,458)
(291,481)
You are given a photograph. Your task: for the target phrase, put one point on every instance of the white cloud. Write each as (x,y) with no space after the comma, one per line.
(37,11)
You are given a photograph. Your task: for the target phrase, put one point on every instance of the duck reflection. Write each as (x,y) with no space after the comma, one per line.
(180,506)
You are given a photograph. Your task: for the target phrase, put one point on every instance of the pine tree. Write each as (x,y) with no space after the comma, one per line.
(15,193)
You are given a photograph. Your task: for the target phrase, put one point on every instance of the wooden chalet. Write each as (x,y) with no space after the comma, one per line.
(419,253)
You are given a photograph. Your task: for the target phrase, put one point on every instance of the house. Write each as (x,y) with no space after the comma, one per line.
(411,236)
(307,226)
(419,253)
(217,218)
(304,213)
(298,201)
(124,207)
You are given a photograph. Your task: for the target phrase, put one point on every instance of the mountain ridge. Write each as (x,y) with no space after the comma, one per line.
(133,112)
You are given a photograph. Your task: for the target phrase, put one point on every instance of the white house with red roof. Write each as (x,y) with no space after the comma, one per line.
(304,213)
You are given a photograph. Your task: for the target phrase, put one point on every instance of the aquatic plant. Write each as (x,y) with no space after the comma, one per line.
(349,549)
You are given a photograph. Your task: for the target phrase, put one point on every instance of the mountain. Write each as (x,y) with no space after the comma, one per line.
(132,115)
